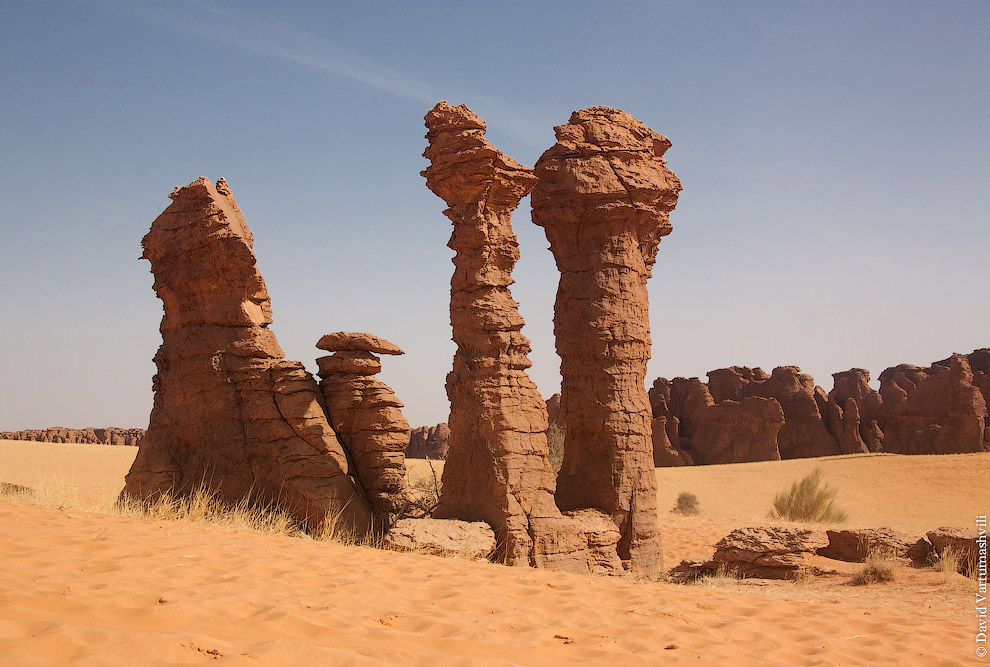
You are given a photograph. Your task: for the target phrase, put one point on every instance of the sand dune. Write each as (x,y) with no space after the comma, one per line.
(85,588)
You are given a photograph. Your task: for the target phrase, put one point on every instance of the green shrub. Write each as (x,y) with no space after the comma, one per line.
(809,500)
(687,504)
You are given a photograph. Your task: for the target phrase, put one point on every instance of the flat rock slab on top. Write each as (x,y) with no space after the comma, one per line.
(355,341)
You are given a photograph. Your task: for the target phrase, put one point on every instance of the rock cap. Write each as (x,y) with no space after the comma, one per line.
(357,341)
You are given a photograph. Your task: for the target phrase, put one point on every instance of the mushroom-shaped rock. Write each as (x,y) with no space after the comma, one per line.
(497,468)
(350,341)
(367,417)
(604,199)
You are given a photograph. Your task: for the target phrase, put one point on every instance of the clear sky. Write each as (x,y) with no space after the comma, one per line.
(833,154)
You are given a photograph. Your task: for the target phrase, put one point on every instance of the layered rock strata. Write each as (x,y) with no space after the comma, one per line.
(108,435)
(935,410)
(230,413)
(496,468)
(603,198)
(854,385)
(367,417)
(941,409)
(429,442)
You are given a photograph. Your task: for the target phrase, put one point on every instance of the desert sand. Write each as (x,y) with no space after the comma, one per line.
(86,587)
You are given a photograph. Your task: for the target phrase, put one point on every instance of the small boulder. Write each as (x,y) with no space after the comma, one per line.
(768,552)
(961,540)
(442,537)
(854,545)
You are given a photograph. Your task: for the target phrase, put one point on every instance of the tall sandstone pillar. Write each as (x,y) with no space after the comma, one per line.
(603,198)
(230,412)
(497,468)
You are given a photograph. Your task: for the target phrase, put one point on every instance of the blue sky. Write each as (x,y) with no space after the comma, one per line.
(833,156)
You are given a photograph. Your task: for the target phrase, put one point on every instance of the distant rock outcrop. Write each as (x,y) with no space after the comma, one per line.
(367,417)
(603,198)
(497,468)
(229,411)
(108,435)
(935,410)
(429,442)
(854,385)
(941,409)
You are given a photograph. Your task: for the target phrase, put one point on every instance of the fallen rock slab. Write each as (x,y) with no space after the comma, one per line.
(962,541)
(442,537)
(768,552)
(854,545)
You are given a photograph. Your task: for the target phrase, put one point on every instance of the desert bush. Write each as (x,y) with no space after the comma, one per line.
(952,562)
(809,500)
(879,566)
(555,441)
(687,504)
(423,496)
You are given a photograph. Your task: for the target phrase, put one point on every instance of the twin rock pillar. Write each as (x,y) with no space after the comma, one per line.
(604,196)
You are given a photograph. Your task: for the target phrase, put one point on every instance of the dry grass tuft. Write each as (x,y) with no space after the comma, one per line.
(809,500)
(879,566)
(555,443)
(687,504)
(954,567)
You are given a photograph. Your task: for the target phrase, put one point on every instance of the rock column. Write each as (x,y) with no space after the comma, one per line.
(603,198)
(230,413)
(367,417)
(497,468)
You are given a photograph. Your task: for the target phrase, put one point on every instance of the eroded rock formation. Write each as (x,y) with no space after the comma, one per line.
(109,435)
(496,469)
(854,384)
(429,442)
(768,552)
(367,417)
(603,198)
(935,410)
(229,411)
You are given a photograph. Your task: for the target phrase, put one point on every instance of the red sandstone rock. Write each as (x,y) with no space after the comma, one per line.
(667,450)
(367,417)
(553,409)
(964,541)
(854,545)
(350,341)
(108,435)
(497,468)
(844,425)
(736,431)
(230,412)
(935,410)
(729,384)
(604,199)
(768,553)
(855,384)
(804,433)
(429,442)
(442,537)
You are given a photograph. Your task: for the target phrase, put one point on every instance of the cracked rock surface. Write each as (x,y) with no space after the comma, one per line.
(603,198)
(229,411)
(497,469)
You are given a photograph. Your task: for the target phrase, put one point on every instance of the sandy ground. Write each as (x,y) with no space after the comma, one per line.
(79,587)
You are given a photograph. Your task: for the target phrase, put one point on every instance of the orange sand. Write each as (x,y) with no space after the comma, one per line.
(94,589)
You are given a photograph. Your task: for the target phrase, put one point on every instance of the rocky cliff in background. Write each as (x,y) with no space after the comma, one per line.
(108,435)
(742,414)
